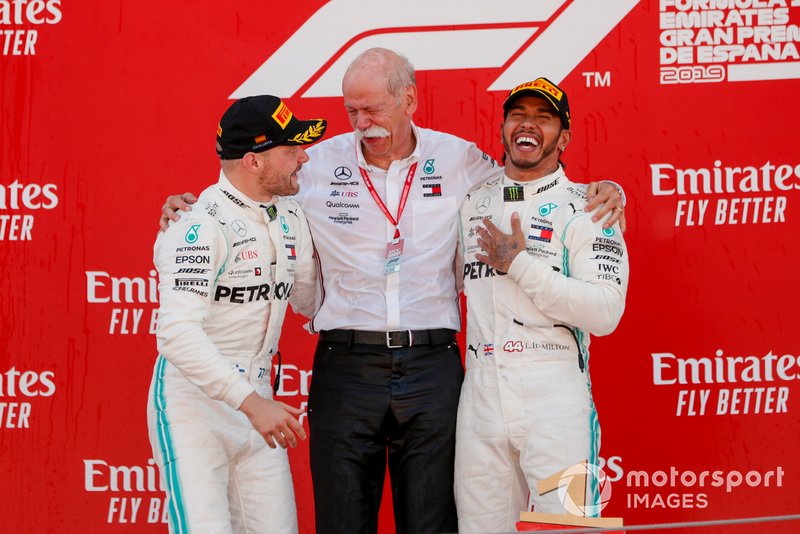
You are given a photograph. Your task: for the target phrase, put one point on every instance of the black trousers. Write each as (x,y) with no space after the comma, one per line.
(367,402)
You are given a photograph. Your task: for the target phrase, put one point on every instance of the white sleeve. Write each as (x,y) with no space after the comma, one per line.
(188,256)
(589,291)
(458,261)
(304,293)
(478,166)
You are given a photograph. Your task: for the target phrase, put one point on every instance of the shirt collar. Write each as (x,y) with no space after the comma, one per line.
(242,202)
(539,182)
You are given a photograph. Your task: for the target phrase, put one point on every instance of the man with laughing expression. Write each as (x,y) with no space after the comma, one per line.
(382,202)
(227,271)
(539,276)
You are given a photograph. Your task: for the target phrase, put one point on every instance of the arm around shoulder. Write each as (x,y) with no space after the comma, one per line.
(304,296)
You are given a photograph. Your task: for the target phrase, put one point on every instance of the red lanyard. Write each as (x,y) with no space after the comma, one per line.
(403,197)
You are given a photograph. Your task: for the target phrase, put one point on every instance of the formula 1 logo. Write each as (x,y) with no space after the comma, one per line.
(542,37)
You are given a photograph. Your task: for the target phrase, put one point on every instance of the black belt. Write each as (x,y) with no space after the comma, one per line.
(392,340)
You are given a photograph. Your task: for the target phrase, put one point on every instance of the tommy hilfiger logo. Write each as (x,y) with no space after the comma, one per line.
(541,233)
(432,190)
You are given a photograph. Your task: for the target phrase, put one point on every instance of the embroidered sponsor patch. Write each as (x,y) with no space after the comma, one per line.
(432,190)
(513,193)
(541,233)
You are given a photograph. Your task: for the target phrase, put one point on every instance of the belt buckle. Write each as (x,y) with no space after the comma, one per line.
(389,339)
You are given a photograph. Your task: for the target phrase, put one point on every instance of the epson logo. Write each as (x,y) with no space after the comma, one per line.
(102,287)
(612,249)
(16,196)
(15,383)
(30,12)
(548,37)
(193,259)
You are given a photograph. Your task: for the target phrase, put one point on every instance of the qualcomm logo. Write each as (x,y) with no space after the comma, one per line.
(545,37)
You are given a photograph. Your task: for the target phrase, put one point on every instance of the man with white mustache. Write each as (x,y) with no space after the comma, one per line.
(370,132)
(382,202)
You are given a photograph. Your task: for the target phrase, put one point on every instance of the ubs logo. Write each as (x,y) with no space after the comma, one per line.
(342,173)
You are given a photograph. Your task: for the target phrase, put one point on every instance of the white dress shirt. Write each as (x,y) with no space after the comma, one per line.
(351,232)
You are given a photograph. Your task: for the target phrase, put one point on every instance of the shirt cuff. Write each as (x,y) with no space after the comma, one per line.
(236,394)
(619,188)
(524,265)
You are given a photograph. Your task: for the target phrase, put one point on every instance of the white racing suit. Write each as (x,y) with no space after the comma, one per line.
(526,409)
(226,272)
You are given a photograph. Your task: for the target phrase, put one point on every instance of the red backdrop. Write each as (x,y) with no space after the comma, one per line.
(107,107)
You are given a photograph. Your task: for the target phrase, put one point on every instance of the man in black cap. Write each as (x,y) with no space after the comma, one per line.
(539,277)
(226,274)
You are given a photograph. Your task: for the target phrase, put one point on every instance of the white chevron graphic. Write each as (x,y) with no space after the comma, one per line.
(428,34)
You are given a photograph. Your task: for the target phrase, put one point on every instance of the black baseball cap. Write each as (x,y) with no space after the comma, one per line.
(544,88)
(258,123)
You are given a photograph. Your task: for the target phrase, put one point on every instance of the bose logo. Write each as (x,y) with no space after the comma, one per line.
(489,37)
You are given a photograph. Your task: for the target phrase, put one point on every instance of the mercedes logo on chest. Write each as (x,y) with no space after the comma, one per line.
(343,173)
(239,227)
